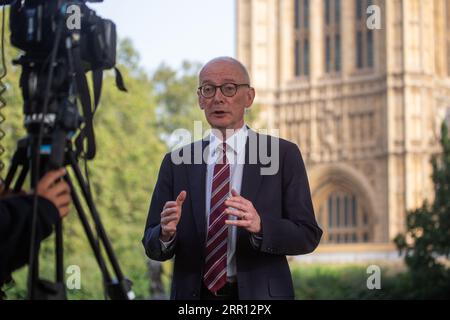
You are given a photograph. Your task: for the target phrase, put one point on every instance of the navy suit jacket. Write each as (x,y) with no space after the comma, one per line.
(283,201)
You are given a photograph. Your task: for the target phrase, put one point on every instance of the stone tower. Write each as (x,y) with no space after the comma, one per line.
(362,87)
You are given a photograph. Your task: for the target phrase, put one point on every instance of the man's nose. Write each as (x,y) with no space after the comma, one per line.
(218,95)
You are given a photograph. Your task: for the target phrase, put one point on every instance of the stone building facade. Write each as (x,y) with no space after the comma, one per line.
(362,87)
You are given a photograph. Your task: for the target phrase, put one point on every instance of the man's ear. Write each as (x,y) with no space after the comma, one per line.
(199,98)
(250,97)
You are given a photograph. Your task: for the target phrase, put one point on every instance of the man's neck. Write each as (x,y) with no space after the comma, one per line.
(224,134)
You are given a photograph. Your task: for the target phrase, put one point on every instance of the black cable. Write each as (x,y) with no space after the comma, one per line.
(88,185)
(2,90)
(37,154)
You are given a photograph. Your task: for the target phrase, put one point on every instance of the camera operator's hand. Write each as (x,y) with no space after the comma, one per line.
(58,192)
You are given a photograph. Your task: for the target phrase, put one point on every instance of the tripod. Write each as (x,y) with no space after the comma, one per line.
(118,288)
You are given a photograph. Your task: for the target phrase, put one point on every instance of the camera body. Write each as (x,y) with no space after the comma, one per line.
(61,40)
(33,25)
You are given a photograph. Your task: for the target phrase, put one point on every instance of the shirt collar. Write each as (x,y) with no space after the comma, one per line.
(236,142)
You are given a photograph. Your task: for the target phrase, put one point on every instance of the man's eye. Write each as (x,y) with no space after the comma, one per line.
(229,88)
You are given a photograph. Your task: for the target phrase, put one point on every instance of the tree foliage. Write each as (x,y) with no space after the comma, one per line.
(122,175)
(426,244)
(177,105)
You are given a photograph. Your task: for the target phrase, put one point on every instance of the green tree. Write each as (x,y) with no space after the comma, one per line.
(124,171)
(426,244)
(177,99)
(122,175)
(12,111)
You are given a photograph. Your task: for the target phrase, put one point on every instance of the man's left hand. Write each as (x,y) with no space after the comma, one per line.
(243,209)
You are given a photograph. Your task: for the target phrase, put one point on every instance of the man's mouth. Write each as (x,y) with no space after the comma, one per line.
(219,112)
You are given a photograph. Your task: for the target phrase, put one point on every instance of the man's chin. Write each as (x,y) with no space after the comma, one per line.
(220,125)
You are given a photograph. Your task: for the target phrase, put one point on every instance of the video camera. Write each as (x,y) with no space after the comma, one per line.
(84,42)
(33,27)
(61,41)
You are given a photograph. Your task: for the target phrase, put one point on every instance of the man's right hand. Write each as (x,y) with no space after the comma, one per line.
(170,216)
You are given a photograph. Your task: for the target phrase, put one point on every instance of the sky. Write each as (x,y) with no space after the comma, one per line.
(171,31)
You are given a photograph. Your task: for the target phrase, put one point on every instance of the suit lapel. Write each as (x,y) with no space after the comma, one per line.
(251,176)
(197,186)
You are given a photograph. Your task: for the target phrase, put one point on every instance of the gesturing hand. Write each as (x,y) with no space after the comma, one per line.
(170,216)
(244,211)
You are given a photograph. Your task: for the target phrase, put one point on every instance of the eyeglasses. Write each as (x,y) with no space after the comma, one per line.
(228,89)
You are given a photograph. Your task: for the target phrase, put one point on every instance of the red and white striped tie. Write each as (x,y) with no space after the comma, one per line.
(215,275)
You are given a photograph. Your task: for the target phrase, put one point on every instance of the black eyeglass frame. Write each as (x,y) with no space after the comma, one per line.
(236,85)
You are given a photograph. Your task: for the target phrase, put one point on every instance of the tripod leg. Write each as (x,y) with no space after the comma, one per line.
(19,159)
(11,173)
(88,230)
(121,288)
(59,252)
(21,179)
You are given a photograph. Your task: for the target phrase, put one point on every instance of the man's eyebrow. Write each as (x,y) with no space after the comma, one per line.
(224,81)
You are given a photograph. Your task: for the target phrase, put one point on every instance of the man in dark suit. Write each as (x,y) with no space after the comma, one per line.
(227,214)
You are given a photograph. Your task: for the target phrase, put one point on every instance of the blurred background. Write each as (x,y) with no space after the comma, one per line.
(363,87)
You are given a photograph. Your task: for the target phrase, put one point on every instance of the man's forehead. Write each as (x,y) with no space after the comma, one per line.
(214,77)
(224,69)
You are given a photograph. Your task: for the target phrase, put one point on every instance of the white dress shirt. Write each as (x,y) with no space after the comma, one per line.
(236,159)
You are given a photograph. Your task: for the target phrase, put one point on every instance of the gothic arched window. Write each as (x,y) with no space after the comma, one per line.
(301,24)
(332,19)
(344,218)
(364,36)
